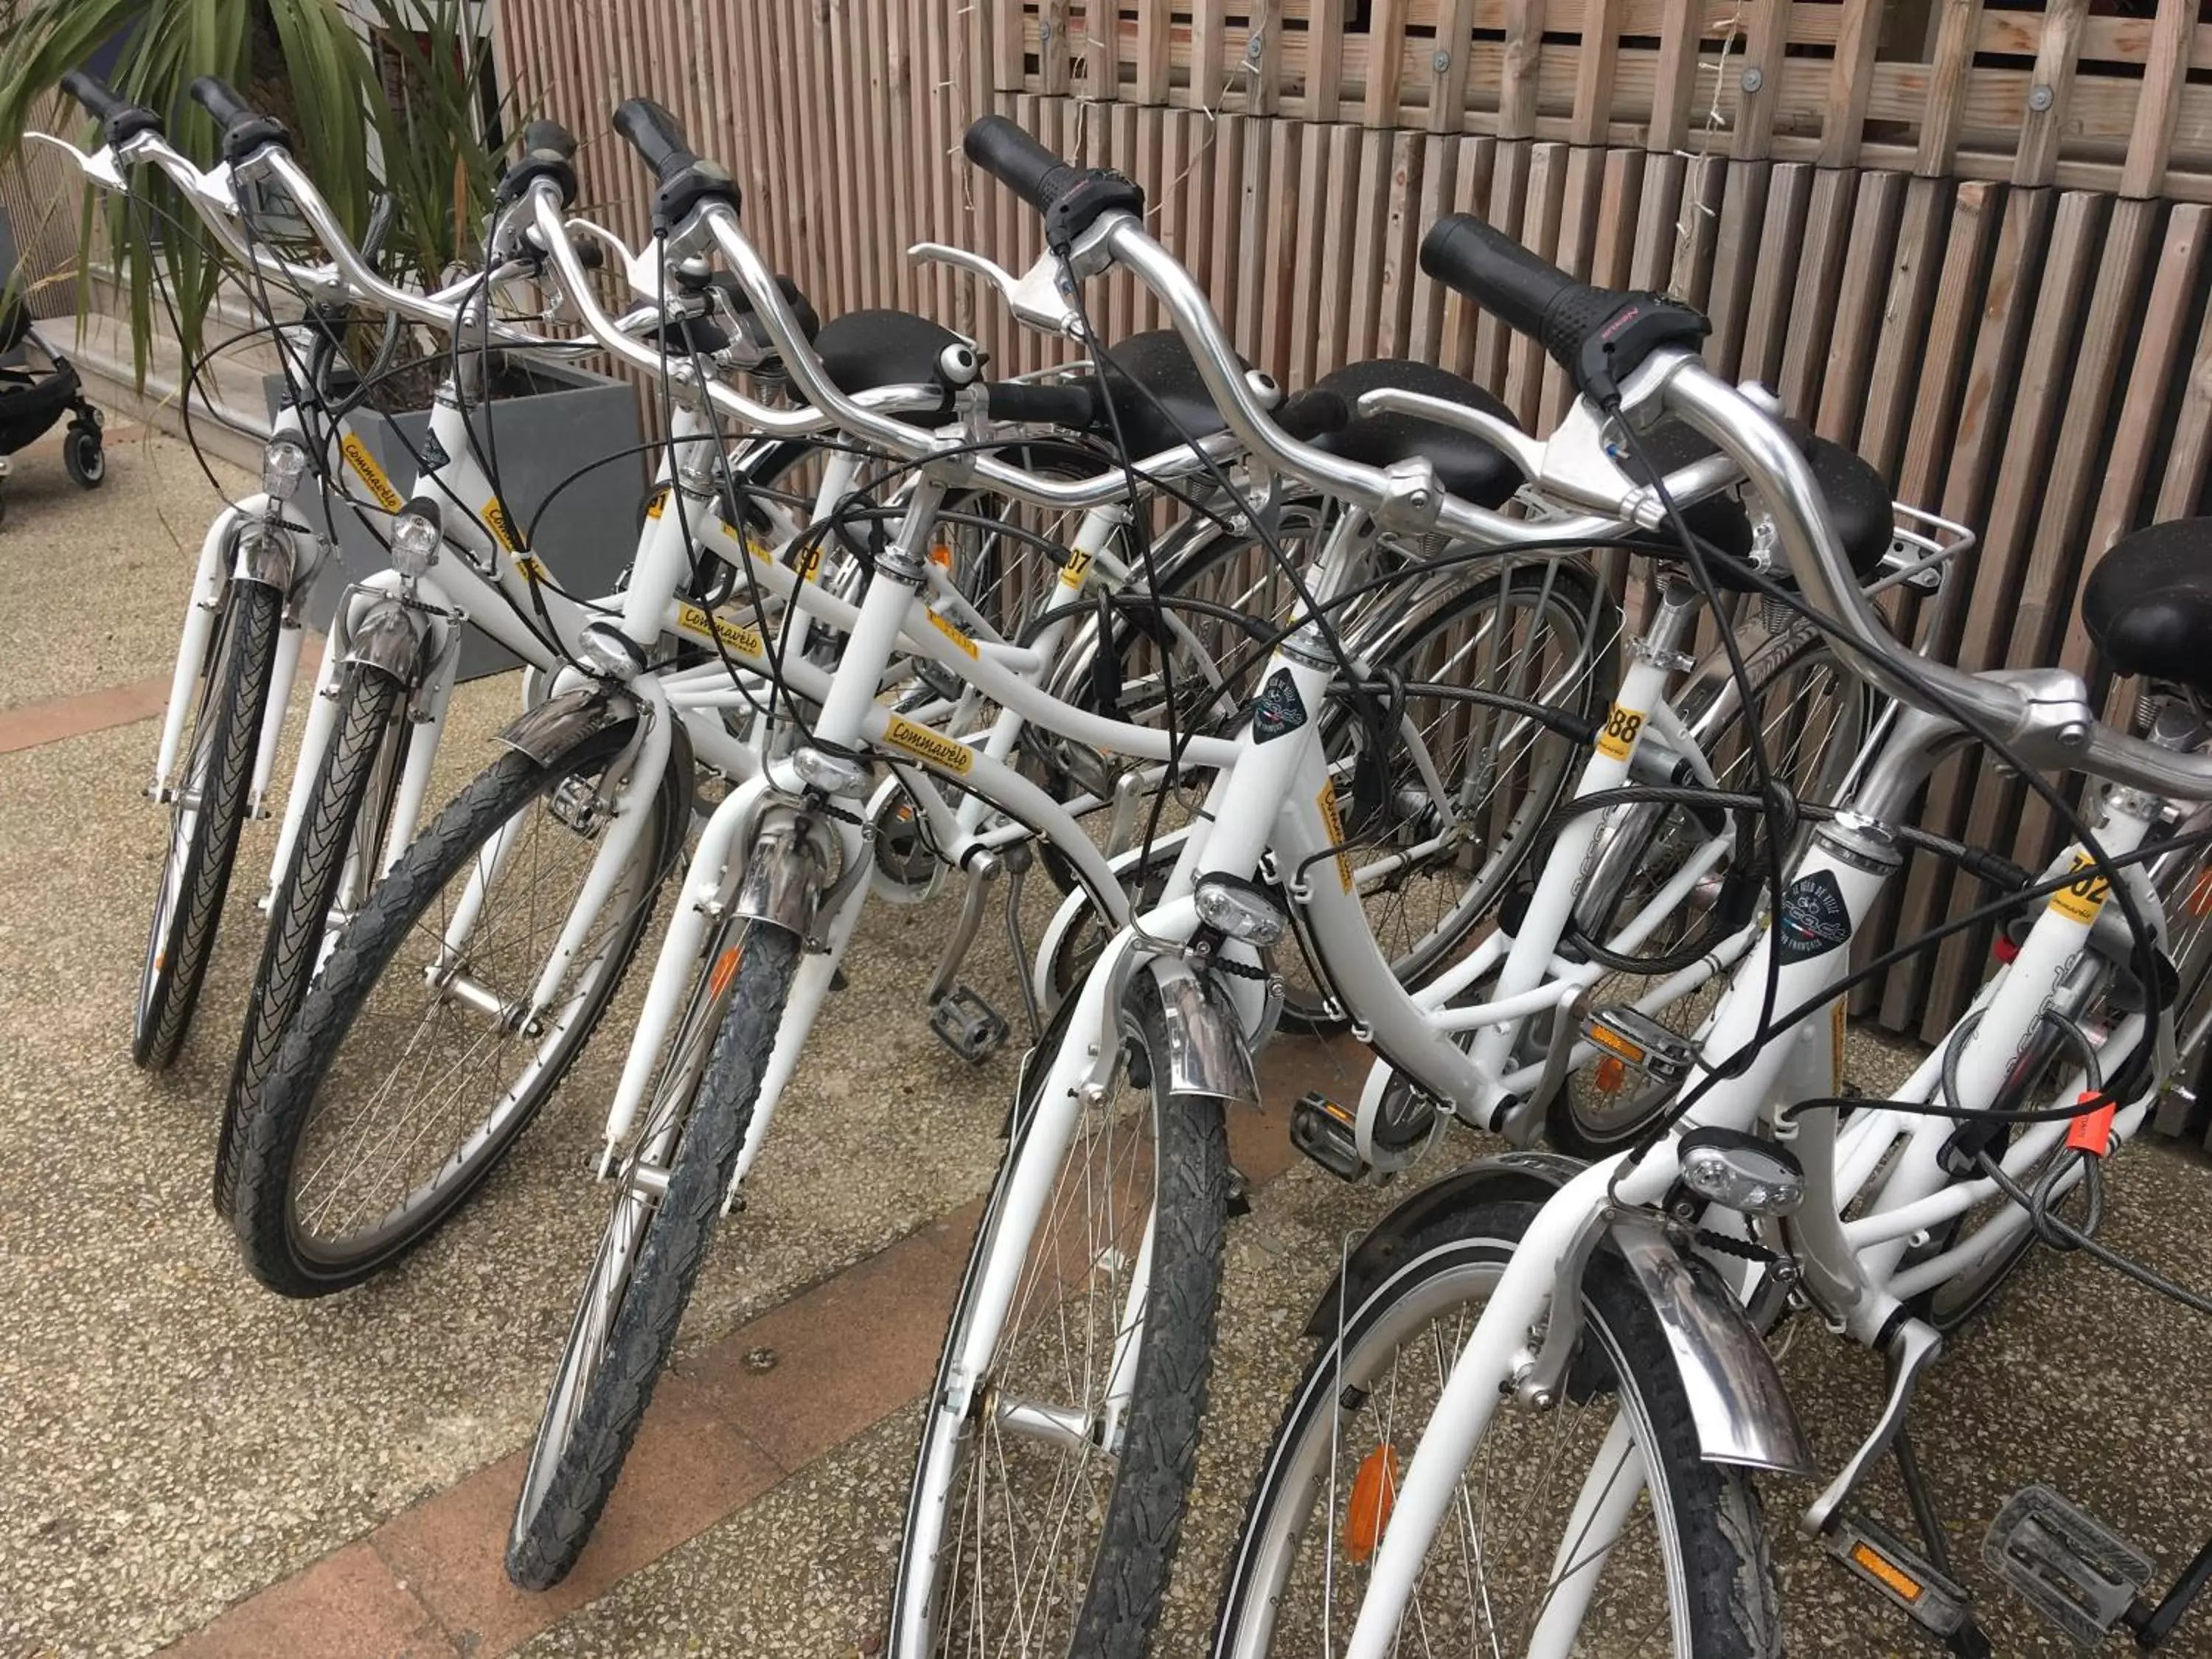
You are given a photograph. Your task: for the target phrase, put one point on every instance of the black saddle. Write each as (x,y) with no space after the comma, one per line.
(1157,394)
(1469,468)
(1858,500)
(865,350)
(2148,604)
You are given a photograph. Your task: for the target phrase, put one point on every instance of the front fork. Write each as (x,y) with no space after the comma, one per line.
(411,631)
(236,548)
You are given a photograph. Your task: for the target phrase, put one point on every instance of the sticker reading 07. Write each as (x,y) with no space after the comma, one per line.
(1618,735)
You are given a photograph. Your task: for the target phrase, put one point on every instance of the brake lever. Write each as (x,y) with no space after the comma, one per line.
(1036,297)
(98,165)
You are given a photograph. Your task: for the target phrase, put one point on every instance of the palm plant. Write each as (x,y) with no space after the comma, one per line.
(407,74)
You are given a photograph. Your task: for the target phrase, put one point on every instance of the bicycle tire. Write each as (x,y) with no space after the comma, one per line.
(369,701)
(554,1520)
(1724,1602)
(1111,1612)
(268,1147)
(225,737)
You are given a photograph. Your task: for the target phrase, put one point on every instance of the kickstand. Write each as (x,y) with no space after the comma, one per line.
(1018,872)
(1967,1642)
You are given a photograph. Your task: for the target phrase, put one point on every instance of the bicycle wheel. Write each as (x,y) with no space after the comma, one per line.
(205,819)
(1599,1506)
(648,1262)
(1813,719)
(416,1058)
(1049,1495)
(1432,869)
(368,743)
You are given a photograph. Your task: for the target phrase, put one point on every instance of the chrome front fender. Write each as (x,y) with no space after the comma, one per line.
(786,867)
(561,722)
(1207,1054)
(1737,1403)
(391,636)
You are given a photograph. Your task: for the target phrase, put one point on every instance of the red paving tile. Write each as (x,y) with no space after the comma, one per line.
(347,1606)
(687,1470)
(60,718)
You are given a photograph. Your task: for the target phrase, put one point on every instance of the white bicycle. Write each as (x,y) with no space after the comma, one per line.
(1542,1392)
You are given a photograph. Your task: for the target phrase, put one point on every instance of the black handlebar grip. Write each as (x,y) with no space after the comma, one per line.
(1072,406)
(1495,271)
(219,98)
(1314,414)
(543,138)
(1018,161)
(245,129)
(119,118)
(656,135)
(549,151)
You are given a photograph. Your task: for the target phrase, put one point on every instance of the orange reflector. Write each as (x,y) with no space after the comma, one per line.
(941,555)
(1611,1073)
(1373,1490)
(2200,896)
(1888,1572)
(726,969)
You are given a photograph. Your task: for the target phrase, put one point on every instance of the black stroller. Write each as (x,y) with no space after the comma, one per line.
(31,400)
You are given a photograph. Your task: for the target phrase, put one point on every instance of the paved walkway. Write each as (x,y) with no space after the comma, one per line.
(190,1462)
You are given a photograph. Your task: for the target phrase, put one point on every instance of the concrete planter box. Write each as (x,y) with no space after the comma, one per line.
(570,420)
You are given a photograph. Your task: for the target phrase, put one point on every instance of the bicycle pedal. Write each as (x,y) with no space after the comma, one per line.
(967,1025)
(1933,1600)
(1325,1132)
(2078,1573)
(1636,1040)
(1239,1194)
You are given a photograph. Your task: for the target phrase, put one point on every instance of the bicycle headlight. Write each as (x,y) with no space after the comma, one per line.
(418,530)
(284,463)
(1240,909)
(1741,1172)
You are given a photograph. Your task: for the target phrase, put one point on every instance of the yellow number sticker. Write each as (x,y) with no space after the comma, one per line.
(951,632)
(809,563)
(1618,735)
(2083,895)
(495,516)
(1332,821)
(745,641)
(659,503)
(1077,568)
(933,746)
(364,464)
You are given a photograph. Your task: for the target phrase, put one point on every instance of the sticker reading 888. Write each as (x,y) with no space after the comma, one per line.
(1618,735)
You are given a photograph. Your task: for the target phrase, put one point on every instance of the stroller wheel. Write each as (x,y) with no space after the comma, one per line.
(84,455)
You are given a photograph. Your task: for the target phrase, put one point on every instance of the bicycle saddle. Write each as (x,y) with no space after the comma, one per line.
(864,349)
(2148,604)
(1158,393)
(1859,503)
(1469,468)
